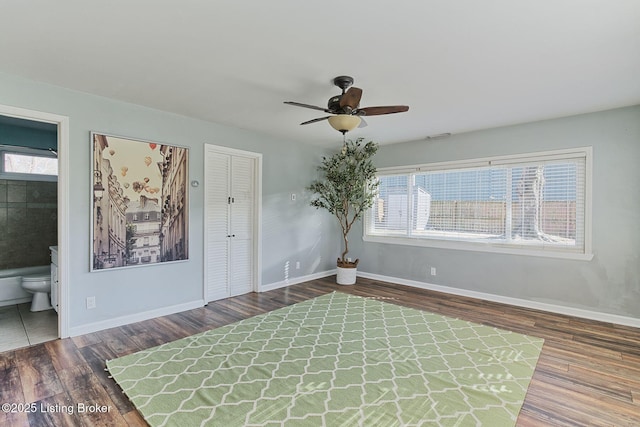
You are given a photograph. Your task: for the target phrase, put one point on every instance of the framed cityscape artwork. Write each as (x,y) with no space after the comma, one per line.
(140,202)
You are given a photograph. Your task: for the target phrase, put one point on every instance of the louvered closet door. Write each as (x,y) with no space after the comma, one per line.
(217,175)
(230,213)
(241,226)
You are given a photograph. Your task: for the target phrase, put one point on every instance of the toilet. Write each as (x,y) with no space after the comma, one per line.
(39,285)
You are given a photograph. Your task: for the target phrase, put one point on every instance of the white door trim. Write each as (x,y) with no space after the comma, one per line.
(63,203)
(257,218)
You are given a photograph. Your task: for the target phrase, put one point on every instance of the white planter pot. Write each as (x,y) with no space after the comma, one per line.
(346,276)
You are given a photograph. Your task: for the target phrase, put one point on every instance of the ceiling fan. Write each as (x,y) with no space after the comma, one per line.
(345,107)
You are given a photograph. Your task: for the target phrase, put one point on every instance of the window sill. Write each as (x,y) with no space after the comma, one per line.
(13,176)
(522,250)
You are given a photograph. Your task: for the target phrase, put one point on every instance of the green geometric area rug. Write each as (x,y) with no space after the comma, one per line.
(335,360)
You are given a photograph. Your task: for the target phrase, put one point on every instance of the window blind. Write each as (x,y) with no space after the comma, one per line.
(532,201)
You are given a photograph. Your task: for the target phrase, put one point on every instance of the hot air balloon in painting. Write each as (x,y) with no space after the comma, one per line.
(137,186)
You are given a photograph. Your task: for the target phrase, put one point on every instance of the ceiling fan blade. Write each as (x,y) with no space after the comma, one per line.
(362,124)
(351,98)
(376,111)
(313,107)
(315,120)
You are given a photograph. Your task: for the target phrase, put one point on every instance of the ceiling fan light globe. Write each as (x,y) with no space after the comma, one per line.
(344,122)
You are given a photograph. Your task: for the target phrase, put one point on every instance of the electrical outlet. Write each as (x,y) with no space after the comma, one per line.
(91,302)
(433,271)
(297,265)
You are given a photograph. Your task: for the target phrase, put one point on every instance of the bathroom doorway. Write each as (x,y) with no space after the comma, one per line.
(42,201)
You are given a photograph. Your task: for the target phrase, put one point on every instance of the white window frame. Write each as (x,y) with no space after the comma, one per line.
(584,253)
(24,151)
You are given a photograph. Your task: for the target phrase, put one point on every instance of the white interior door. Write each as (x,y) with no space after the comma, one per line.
(231,214)
(217,176)
(241,225)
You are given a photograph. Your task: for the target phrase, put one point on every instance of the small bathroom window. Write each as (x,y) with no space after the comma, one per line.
(21,163)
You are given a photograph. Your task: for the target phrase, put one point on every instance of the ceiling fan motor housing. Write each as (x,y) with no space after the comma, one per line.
(343,82)
(334,103)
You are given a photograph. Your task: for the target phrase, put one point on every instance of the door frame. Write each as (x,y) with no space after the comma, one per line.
(257,214)
(62,123)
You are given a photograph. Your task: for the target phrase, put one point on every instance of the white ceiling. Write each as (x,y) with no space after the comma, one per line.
(460,65)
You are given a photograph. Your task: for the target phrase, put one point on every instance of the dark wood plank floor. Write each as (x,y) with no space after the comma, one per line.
(588,373)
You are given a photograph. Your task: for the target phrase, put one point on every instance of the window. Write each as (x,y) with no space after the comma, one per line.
(536,204)
(27,164)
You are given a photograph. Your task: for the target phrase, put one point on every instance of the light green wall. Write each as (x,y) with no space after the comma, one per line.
(293,231)
(610,283)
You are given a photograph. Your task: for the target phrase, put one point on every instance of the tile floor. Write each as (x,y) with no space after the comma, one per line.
(19,327)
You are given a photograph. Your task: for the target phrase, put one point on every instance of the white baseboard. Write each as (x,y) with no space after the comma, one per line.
(553,308)
(296,280)
(132,318)
(164,311)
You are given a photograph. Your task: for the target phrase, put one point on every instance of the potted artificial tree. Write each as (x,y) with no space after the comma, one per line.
(347,189)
